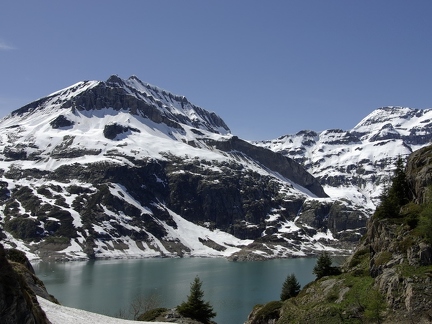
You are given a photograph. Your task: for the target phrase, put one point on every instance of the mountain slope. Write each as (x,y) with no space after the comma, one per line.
(356,164)
(125,169)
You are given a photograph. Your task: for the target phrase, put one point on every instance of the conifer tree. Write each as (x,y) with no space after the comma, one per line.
(290,287)
(195,307)
(395,196)
(323,266)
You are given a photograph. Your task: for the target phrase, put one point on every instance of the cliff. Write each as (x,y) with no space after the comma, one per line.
(18,284)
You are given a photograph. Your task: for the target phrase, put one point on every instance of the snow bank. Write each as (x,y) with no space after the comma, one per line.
(58,314)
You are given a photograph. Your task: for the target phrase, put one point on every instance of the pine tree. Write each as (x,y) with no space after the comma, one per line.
(400,188)
(395,196)
(323,266)
(195,307)
(290,287)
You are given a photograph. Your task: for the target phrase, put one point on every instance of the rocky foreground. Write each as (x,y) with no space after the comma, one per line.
(388,278)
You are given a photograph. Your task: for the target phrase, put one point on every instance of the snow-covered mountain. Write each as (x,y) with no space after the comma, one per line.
(356,164)
(125,169)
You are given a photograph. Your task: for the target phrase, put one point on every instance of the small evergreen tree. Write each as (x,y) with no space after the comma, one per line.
(400,188)
(323,266)
(290,287)
(395,196)
(375,307)
(195,307)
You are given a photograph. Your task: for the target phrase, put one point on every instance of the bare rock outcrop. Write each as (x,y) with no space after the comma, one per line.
(18,303)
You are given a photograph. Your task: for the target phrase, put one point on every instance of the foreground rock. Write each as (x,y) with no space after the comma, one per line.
(163,315)
(18,302)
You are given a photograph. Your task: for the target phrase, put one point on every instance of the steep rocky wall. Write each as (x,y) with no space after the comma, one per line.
(18,303)
(419,173)
(274,161)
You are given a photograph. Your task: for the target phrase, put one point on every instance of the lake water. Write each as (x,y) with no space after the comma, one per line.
(232,288)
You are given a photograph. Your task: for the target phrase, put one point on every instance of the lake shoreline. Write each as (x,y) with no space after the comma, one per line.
(233,288)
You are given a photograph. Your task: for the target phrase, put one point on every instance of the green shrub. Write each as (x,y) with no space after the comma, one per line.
(425,223)
(57,240)
(270,311)
(332,297)
(28,200)
(383,257)
(151,315)
(358,257)
(375,307)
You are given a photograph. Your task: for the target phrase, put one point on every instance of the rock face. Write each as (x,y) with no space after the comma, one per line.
(18,303)
(124,169)
(401,267)
(419,170)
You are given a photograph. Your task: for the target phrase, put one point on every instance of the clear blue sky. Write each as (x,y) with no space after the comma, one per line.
(268,68)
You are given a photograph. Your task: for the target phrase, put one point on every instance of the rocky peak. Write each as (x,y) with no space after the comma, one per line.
(355,164)
(131,95)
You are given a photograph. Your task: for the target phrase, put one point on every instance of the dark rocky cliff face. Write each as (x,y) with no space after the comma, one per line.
(18,303)
(274,161)
(419,173)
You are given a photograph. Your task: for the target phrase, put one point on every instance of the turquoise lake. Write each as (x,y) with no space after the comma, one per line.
(232,288)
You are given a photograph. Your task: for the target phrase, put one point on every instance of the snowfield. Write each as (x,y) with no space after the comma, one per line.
(58,314)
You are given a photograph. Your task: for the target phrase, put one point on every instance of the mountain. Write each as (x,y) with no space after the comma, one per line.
(355,165)
(122,169)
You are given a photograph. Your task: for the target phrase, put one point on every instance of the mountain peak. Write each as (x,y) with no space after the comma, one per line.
(114,79)
(131,95)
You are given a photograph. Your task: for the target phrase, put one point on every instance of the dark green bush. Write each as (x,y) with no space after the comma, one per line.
(270,311)
(151,315)
(358,257)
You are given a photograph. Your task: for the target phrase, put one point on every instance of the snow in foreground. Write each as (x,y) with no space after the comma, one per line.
(58,314)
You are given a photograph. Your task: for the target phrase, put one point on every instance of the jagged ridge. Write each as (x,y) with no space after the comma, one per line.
(355,164)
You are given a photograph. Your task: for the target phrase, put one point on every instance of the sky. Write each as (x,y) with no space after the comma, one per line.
(268,68)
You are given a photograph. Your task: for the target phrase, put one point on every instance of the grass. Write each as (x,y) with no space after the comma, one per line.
(407,270)
(334,299)
(269,311)
(383,257)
